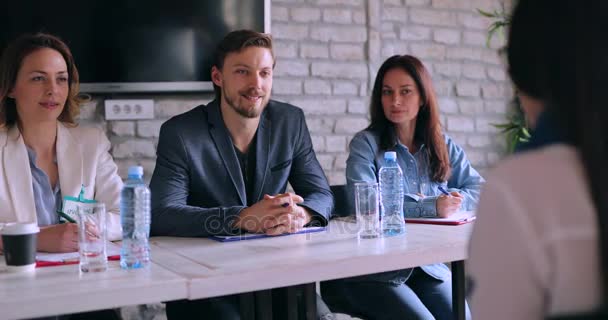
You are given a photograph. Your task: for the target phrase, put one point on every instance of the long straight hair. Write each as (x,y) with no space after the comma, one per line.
(428,126)
(557,54)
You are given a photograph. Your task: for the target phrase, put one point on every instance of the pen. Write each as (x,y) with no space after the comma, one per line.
(443,191)
(66,217)
(71,220)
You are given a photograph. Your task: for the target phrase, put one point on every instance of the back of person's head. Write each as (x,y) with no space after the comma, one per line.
(10,63)
(558,54)
(428,124)
(236,41)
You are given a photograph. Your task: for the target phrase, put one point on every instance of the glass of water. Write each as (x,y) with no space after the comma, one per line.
(92,237)
(367,204)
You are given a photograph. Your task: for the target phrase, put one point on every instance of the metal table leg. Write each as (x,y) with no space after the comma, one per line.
(309,302)
(247,306)
(263,305)
(285,303)
(458,290)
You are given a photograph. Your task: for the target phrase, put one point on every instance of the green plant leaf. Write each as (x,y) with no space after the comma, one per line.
(491,32)
(502,125)
(515,128)
(512,143)
(485,13)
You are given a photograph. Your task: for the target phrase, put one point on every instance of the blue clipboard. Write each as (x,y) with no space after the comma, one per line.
(251,236)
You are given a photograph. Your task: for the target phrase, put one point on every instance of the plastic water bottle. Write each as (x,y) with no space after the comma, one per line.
(135,219)
(391,191)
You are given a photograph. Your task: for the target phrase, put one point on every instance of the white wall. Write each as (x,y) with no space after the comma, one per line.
(328,52)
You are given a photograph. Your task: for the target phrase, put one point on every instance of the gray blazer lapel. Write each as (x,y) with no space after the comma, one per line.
(221,137)
(262,152)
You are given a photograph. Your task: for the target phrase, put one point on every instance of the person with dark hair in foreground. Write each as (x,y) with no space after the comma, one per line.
(539,246)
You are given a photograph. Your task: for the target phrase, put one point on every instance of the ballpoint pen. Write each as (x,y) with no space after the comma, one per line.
(443,191)
(66,217)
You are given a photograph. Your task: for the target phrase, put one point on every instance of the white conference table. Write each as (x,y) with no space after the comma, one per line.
(62,289)
(216,269)
(196,268)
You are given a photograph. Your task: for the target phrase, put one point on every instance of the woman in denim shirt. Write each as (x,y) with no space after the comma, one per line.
(405,119)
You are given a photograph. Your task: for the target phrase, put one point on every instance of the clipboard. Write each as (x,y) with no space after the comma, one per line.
(455,219)
(252,236)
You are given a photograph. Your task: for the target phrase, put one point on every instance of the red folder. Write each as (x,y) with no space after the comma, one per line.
(40,264)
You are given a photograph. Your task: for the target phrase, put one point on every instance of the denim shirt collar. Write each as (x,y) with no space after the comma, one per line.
(398,144)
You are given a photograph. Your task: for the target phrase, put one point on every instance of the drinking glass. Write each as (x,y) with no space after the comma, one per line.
(92,237)
(367,209)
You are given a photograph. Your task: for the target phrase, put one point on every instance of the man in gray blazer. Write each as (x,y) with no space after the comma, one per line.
(223,168)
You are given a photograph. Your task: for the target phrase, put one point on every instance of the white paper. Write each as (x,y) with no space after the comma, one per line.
(112,249)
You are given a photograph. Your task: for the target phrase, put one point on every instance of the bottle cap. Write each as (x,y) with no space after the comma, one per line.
(136,171)
(390,155)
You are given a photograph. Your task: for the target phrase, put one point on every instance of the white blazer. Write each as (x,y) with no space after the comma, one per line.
(83,158)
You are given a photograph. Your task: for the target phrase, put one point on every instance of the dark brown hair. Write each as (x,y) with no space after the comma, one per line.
(556,54)
(428,126)
(10,63)
(236,41)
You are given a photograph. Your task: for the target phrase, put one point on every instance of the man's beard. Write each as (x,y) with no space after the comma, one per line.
(252,112)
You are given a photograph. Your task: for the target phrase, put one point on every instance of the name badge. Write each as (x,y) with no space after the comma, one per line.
(71,205)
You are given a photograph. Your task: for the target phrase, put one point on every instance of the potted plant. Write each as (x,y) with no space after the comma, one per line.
(514,128)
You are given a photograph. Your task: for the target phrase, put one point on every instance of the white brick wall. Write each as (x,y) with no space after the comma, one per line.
(415,33)
(316,86)
(447,36)
(134,148)
(328,52)
(467,89)
(314,50)
(123,128)
(148,129)
(337,16)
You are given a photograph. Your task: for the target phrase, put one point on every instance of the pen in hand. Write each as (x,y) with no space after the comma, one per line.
(66,217)
(71,220)
(443,191)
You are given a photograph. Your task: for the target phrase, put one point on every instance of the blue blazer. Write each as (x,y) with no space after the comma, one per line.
(197,187)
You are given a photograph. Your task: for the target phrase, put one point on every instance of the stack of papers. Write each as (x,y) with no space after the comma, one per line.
(457,218)
(44,259)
